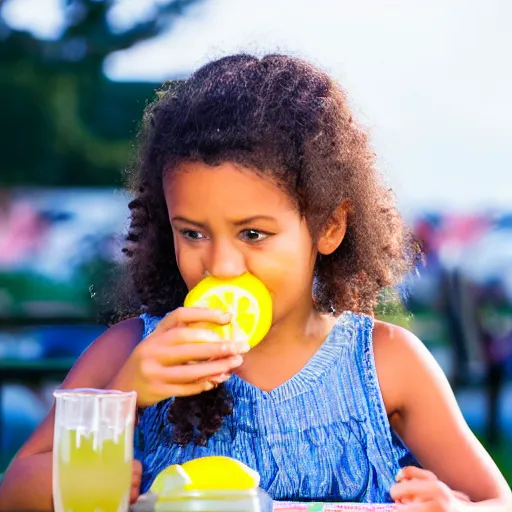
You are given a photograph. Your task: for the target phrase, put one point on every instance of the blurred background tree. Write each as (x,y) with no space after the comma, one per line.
(63,122)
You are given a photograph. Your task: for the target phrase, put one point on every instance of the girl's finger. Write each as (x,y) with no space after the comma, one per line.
(188,352)
(136,469)
(420,490)
(136,479)
(425,506)
(410,472)
(461,496)
(219,379)
(134,494)
(163,391)
(190,373)
(180,335)
(185,316)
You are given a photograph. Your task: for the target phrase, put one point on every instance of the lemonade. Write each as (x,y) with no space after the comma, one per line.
(93,450)
(93,478)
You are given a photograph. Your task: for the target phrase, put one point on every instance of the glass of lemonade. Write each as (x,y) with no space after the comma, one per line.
(93,450)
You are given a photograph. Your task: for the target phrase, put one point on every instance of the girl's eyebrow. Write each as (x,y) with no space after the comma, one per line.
(254,218)
(240,222)
(187,221)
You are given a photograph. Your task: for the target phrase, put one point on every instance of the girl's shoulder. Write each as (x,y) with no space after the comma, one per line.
(388,337)
(400,358)
(128,332)
(106,355)
(398,348)
(410,379)
(122,337)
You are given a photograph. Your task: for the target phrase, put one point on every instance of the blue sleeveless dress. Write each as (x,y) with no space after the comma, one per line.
(321,436)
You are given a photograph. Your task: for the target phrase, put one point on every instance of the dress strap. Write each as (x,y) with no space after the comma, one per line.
(150,323)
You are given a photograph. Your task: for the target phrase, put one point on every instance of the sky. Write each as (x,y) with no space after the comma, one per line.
(431,80)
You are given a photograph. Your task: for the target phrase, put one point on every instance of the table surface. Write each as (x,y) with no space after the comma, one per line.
(282,506)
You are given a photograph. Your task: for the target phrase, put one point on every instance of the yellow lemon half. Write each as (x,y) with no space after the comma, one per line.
(245,297)
(220,473)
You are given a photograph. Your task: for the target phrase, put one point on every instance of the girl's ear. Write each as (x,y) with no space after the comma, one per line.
(335,229)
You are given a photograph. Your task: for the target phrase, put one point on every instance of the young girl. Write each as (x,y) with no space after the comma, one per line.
(256,165)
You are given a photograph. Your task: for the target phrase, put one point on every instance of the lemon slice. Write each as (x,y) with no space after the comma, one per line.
(171,479)
(220,473)
(245,297)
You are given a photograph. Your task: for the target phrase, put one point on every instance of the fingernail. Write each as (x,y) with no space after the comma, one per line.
(237,360)
(240,347)
(221,378)
(225,317)
(399,475)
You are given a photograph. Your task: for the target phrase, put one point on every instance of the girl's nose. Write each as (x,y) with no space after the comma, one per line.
(226,261)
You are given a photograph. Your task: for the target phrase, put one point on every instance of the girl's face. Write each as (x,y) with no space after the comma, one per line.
(227,220)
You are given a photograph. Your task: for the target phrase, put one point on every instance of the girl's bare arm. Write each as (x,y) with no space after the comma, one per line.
(27,483)
(425,414)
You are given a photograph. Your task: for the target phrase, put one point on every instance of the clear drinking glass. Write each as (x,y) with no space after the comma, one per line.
(93,450)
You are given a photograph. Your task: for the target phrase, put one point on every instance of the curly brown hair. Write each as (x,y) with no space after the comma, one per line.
(284,118)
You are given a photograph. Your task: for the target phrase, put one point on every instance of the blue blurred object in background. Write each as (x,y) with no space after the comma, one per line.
(20,412)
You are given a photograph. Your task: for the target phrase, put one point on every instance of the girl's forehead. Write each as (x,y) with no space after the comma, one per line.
(224,186)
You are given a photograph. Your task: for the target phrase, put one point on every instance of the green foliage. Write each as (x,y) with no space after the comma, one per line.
(391,309)
(64,123)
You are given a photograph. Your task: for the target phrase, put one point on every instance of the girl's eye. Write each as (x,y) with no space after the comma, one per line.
(251,235)
(192,235)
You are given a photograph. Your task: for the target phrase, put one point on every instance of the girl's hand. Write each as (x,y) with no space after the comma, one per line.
(159,368)
(136,479)
(421,490)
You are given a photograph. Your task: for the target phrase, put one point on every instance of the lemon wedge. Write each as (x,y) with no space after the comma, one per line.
(171,479)
(220,473)
(245,297)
